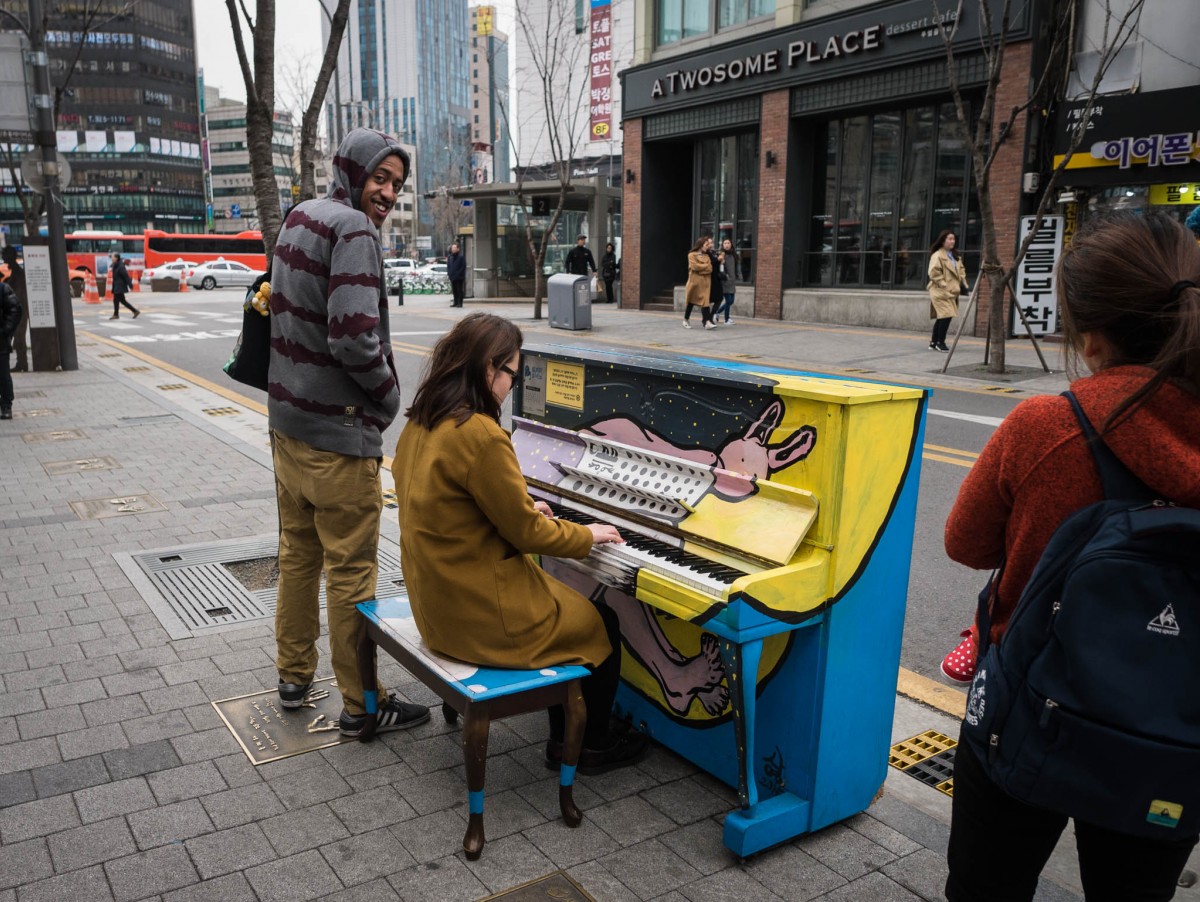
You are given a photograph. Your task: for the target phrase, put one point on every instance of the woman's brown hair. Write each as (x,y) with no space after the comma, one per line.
(456,377)
(699,243)
(940,240)
(1133,279)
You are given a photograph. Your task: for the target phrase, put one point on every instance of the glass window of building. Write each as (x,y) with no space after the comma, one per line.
(678,20)
(727,202)
(884,186)
(735,12)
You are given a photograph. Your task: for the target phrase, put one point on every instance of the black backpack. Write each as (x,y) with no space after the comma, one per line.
(251,355)
(1090,705)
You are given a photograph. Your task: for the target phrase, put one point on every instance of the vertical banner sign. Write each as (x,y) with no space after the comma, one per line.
(37,286)
(1036,289)
(483,20)
(600,102)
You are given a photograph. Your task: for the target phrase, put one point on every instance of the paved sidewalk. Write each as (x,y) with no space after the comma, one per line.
(119,781)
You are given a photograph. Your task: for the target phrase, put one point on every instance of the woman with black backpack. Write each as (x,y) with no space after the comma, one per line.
(1130,306)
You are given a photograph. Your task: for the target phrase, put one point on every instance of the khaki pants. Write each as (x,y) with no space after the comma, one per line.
(329,510)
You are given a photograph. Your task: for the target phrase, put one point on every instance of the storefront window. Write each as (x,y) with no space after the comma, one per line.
(735,12)
(884,185)
(727,205)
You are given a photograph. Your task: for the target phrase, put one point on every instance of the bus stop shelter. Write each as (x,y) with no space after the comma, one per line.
(496,249)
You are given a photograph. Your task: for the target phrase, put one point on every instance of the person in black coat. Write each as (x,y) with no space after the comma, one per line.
(16,281)
(121,283)
(10,319)
(456,272)
(610,271)
(579,259)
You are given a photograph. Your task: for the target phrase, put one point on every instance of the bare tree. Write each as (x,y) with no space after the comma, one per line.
(984,139)
(556,67)
(94,15)
(259,78)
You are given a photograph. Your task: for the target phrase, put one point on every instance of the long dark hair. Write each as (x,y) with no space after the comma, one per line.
(699,243)
(456,378)
(940,240)
(1126,277)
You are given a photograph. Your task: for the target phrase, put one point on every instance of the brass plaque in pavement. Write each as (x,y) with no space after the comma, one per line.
(60,435)
(556,886)
(103,508)
(267,731)
(31,393)
(61,467)
(19,414)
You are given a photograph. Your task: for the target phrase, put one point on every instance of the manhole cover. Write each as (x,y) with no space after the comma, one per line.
(267,732)
(61,435)
(104,508)
(60,467)
(553,886)
(192,589)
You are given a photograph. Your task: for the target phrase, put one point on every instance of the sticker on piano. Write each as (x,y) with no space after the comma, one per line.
(564,384)
(653,485)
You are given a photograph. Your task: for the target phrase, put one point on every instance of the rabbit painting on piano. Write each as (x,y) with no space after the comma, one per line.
(769,518)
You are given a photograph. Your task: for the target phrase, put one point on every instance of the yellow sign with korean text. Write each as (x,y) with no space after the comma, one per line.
(564,384)
(1175,194)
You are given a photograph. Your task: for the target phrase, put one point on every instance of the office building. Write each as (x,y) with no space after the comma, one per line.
(129,118)
(403,68)
(489,98)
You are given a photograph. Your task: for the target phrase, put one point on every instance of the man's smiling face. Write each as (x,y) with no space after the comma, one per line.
(382,188)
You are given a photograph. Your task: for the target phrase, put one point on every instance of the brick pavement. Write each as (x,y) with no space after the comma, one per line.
(118,780)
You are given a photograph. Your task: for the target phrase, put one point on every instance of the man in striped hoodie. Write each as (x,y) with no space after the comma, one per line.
(332,392)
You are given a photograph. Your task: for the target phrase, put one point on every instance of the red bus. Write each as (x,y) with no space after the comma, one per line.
(91,251)
(166,247)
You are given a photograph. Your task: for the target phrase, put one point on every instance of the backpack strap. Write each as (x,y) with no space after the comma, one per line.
(1116,479)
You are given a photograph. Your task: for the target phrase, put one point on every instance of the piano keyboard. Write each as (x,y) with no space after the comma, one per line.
(617,565)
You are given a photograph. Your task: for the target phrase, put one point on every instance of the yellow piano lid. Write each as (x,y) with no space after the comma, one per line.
(835,390)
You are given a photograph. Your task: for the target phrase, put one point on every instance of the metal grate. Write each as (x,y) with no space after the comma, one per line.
(929,757)
(891,84)
(191,592)
(727,113)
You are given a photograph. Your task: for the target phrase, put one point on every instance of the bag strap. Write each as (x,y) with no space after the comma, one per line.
(1115,478)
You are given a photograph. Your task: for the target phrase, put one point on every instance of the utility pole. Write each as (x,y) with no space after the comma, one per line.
(44,138)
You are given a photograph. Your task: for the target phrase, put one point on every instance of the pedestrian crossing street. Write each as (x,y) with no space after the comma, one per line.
(191,326)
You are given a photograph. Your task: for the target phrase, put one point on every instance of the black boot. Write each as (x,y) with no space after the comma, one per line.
(6,412)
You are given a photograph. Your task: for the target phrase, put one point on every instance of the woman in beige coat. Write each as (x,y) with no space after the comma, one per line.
(468,526)
(699,282)
(947,279)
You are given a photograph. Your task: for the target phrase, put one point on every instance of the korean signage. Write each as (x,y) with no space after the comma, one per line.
(38,287)
(1188,194)
(1132,139)
(831,47)
(600,61)
(1036,289)
(483,20)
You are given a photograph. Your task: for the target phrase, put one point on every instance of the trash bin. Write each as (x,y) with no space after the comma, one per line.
(570,301)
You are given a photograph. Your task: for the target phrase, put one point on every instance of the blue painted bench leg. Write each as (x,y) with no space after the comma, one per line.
(576,715)
(366,673)
(475,742)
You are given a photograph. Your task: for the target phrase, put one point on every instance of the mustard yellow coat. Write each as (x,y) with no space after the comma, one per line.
(945,282)
(699,283)
(467,528)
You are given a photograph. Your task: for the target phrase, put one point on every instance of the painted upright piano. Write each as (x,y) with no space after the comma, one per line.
(769,520)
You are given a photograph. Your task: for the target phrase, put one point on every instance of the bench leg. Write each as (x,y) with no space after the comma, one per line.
(475,740)
(366,673)
(576,716)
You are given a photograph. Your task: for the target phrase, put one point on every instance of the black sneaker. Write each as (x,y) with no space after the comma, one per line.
(942,347)
(624,749)
(291,695)
(394,715)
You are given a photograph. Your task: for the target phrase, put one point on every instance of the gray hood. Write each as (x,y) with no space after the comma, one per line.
(359,155)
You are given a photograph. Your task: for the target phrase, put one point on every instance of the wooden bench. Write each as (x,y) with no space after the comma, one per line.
(479,694)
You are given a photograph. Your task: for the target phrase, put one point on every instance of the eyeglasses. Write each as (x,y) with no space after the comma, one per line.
(505,368)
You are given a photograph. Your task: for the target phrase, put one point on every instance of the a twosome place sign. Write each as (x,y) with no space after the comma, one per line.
(833,45)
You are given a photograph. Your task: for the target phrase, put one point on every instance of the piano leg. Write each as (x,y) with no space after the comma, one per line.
(741,671)
(475,742)
(757,825)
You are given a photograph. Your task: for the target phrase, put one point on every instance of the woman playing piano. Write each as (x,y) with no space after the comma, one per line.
(468,526)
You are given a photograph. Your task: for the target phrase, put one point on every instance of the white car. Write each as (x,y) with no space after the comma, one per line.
(395,271)
(222,274)
(432,269)
(168,270)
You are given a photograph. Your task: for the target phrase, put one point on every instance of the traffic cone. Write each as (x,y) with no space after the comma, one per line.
(108,287)
(90,293)
(183,285)
(136,276)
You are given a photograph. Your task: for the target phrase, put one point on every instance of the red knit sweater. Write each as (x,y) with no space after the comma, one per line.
(1036,471)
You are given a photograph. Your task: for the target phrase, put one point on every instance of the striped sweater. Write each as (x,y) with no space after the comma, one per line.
(332,378)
